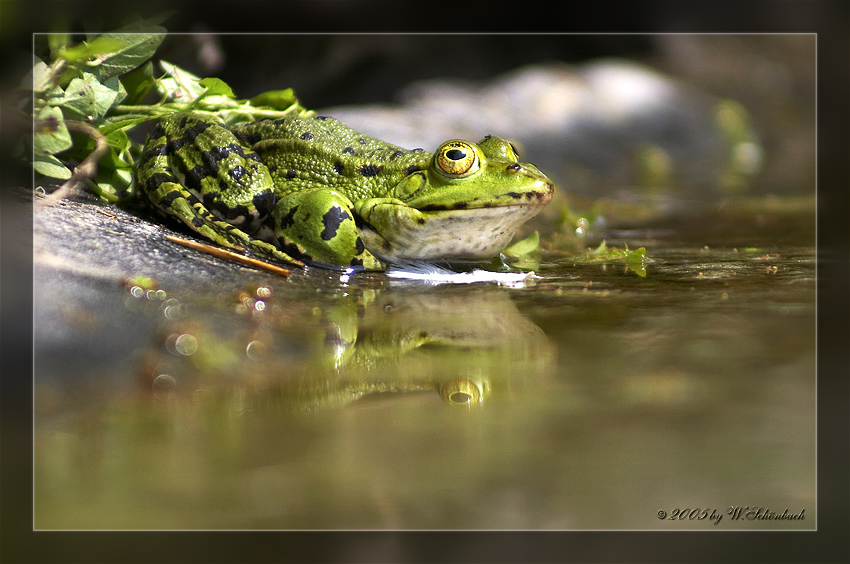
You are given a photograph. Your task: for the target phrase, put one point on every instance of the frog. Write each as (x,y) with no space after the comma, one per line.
(307,190)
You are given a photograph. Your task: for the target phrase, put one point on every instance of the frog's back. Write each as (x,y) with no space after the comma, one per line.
(304,153)
(321,130)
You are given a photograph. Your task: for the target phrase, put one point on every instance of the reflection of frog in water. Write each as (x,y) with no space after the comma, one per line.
(466,343)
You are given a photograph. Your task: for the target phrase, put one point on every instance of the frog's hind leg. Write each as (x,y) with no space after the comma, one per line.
(166,193)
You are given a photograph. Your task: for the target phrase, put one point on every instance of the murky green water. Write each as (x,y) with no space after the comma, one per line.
(590,398)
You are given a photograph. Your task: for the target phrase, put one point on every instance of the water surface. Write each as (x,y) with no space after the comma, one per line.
(589,398)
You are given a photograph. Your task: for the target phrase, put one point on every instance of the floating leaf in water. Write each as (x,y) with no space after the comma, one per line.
(636,261)
(525,252)
(601,250)
(524,246)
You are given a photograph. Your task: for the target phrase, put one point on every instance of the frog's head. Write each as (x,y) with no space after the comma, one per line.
(468,203)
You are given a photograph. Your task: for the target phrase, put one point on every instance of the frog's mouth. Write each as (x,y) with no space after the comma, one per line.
(396,232)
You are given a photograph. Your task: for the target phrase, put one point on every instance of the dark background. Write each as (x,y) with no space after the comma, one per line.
(828,18)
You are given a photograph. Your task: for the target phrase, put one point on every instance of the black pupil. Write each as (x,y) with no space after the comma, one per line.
(455,154)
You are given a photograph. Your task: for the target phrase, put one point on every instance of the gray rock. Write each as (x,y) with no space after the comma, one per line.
(595,118)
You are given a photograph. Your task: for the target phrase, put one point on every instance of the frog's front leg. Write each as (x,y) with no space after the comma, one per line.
(318,225)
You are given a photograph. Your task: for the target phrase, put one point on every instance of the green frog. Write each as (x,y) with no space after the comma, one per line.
(309,190)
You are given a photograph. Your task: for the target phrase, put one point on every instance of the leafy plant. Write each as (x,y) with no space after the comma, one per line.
(88,96)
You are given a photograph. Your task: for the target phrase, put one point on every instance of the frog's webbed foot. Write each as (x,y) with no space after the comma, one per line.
(318,226)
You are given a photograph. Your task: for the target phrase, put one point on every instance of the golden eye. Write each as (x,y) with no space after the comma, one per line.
(457,158)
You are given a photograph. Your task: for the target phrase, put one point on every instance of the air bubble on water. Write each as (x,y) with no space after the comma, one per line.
(582,225)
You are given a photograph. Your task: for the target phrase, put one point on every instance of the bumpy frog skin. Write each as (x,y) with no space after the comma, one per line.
(309,190)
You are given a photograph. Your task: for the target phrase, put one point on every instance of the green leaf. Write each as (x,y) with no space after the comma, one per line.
(57,41)
(178,85)
(118,139)
(125,176)
(40,79)
(112,184)
(119,146)
(88,50)
(51,135)
(122,122)
(275,99)
(133,50)
(48,165)
(112,54)
(525,246)
(138,83)
(636,261)
(86,98)
(601,250)
(216,86)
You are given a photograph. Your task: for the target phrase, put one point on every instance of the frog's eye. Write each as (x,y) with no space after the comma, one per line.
(457,159)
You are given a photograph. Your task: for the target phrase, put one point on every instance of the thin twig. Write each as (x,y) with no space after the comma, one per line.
(229,255)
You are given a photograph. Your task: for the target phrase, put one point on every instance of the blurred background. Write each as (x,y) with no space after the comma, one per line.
(688,107)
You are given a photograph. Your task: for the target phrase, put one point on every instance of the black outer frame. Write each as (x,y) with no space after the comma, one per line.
(827,18)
